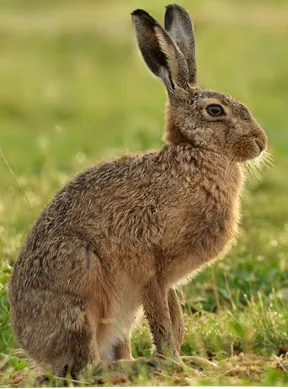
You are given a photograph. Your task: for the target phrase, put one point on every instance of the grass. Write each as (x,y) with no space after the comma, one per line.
(75,91)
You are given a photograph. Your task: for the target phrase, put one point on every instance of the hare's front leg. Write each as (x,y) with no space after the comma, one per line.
(156,308)
(178,325)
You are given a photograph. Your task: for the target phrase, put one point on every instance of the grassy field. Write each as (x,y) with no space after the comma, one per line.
(74,91)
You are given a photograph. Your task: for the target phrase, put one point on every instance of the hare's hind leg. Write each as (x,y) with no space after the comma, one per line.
(73,350)
(58,331)
(77,351)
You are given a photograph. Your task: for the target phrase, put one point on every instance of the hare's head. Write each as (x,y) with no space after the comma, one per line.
(203,118)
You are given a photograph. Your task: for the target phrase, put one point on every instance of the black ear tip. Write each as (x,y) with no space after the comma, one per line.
(138,12)
(174,7)
(143,17)
(169,16)
(170,8)
(141,13)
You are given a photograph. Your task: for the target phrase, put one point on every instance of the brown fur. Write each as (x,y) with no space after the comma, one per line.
(122,234)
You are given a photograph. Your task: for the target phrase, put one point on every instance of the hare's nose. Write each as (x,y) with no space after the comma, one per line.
(261,144)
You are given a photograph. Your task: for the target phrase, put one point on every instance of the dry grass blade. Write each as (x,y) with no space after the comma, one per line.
(15,177)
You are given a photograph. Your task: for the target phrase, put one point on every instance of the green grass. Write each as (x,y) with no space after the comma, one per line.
(75,91)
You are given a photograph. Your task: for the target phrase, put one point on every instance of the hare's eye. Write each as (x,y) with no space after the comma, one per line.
(215,110)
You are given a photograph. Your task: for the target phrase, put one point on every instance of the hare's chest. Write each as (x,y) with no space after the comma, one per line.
(214,231)
(201,238)
(214,224)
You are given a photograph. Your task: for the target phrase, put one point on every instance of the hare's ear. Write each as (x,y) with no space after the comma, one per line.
(160,53)
(179,26)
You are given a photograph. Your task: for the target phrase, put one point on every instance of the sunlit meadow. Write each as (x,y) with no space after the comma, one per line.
(74,91)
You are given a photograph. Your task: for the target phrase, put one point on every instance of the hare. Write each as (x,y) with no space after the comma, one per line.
(120,236)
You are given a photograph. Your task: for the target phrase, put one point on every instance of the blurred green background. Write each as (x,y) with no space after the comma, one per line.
(74,91)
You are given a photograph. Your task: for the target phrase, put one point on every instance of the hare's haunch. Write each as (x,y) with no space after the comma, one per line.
(119,236)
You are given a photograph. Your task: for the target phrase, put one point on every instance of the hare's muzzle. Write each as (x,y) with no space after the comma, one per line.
(261,140)
(261,144)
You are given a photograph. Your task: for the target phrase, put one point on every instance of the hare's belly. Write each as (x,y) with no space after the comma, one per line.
(124,312)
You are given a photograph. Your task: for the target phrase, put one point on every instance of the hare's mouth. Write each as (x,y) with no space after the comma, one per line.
(256,148)
(260,144)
